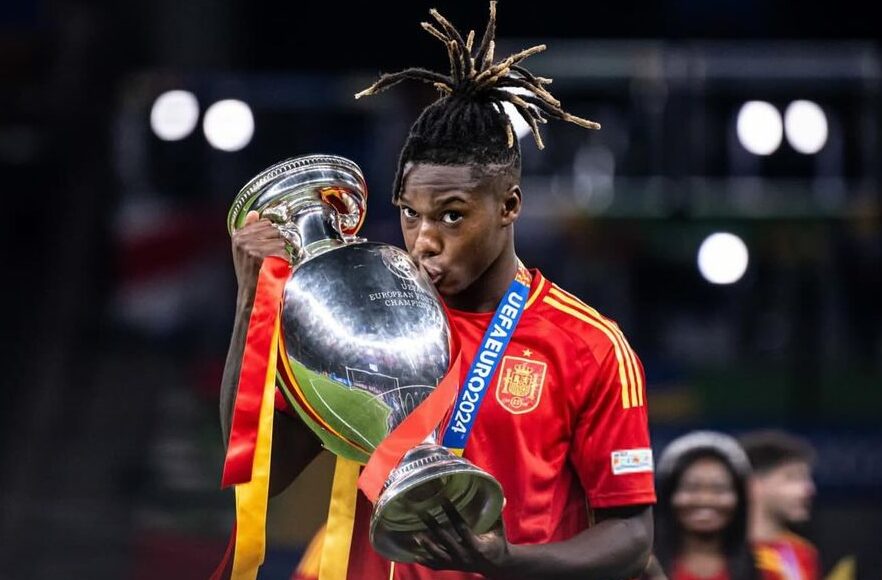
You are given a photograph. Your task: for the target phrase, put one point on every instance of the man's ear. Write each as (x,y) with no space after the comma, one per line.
(511,205)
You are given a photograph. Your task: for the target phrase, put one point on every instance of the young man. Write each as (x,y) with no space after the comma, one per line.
(781,492)
(563,426)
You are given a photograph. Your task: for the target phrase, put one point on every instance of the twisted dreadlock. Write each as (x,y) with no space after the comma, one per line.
(467,125)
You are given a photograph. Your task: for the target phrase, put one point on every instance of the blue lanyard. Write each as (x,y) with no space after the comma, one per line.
(493,346)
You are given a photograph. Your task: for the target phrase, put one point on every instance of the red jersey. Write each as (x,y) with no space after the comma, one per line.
(788,558)
(563,427)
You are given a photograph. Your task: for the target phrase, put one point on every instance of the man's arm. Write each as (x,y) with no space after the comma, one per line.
(294,446)
(617,547)
(233,363)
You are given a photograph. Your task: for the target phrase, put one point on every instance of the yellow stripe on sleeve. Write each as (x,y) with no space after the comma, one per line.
(623,373)
(536,292)
(634,374)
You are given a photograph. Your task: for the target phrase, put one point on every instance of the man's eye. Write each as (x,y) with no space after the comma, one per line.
(408,213)
(451,217)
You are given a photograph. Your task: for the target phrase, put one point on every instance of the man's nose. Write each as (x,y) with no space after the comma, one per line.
(428,242)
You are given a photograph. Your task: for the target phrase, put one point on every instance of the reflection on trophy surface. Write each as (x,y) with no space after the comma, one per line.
(364,340)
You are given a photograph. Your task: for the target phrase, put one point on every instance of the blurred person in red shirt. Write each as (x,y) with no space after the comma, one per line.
(563,425)
(701,514)
(781,494)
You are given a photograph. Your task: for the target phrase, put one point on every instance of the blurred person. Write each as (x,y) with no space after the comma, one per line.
(701,515)
(569,442)
(781,493)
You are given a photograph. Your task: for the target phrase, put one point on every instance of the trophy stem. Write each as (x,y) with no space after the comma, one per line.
(311,229)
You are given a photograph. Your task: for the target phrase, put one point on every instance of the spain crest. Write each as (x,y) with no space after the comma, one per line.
(520,382)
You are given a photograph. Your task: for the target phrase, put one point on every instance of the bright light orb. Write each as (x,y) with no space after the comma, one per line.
(174,115)
(722,258)
(228,125)
(759,127)
(806,127)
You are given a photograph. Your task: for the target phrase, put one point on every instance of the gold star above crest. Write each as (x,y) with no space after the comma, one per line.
(528,352)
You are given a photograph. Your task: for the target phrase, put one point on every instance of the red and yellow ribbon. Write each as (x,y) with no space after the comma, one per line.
(247,464)
(252,497)
(260,344)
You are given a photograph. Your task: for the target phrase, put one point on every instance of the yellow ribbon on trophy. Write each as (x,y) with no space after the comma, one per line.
(248,458)
(252,497)
(334,563)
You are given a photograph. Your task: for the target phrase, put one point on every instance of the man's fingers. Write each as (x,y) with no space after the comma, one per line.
(436,553)
(258,250)
(262,247)
(445,539)
(265,233)
(466,535)
(258,229)
(251,217)
(452,514)
(429,521)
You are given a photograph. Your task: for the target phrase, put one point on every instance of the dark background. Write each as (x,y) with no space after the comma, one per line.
(119,290)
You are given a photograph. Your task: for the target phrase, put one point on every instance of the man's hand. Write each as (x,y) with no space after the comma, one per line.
(616,547)
(453,546)
(254,241)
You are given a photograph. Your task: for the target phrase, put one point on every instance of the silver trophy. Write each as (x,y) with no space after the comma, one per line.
(364,339)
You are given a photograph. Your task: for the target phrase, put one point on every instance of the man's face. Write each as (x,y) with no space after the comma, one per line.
(454,225)
(786,492)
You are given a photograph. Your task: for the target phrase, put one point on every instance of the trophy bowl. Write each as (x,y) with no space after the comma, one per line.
(364,340)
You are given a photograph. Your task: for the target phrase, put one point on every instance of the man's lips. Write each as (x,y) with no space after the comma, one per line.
(434,274)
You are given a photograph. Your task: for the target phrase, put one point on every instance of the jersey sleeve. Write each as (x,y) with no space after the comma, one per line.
(610,450)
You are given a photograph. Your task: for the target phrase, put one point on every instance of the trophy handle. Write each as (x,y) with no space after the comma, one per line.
(350,206)
(327,179)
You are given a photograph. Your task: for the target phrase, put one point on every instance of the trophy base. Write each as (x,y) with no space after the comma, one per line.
(427,474)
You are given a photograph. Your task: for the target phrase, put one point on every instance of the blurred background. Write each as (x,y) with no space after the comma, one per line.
(727,216)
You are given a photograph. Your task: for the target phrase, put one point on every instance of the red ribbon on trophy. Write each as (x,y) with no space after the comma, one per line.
(255,366)
(247,463)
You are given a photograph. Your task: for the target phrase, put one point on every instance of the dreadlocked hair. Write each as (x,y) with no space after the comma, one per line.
(467,124)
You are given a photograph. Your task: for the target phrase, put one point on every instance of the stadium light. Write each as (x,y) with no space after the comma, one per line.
(806,126)
(174,115)
(759,127)
(228,125)
(722,258)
